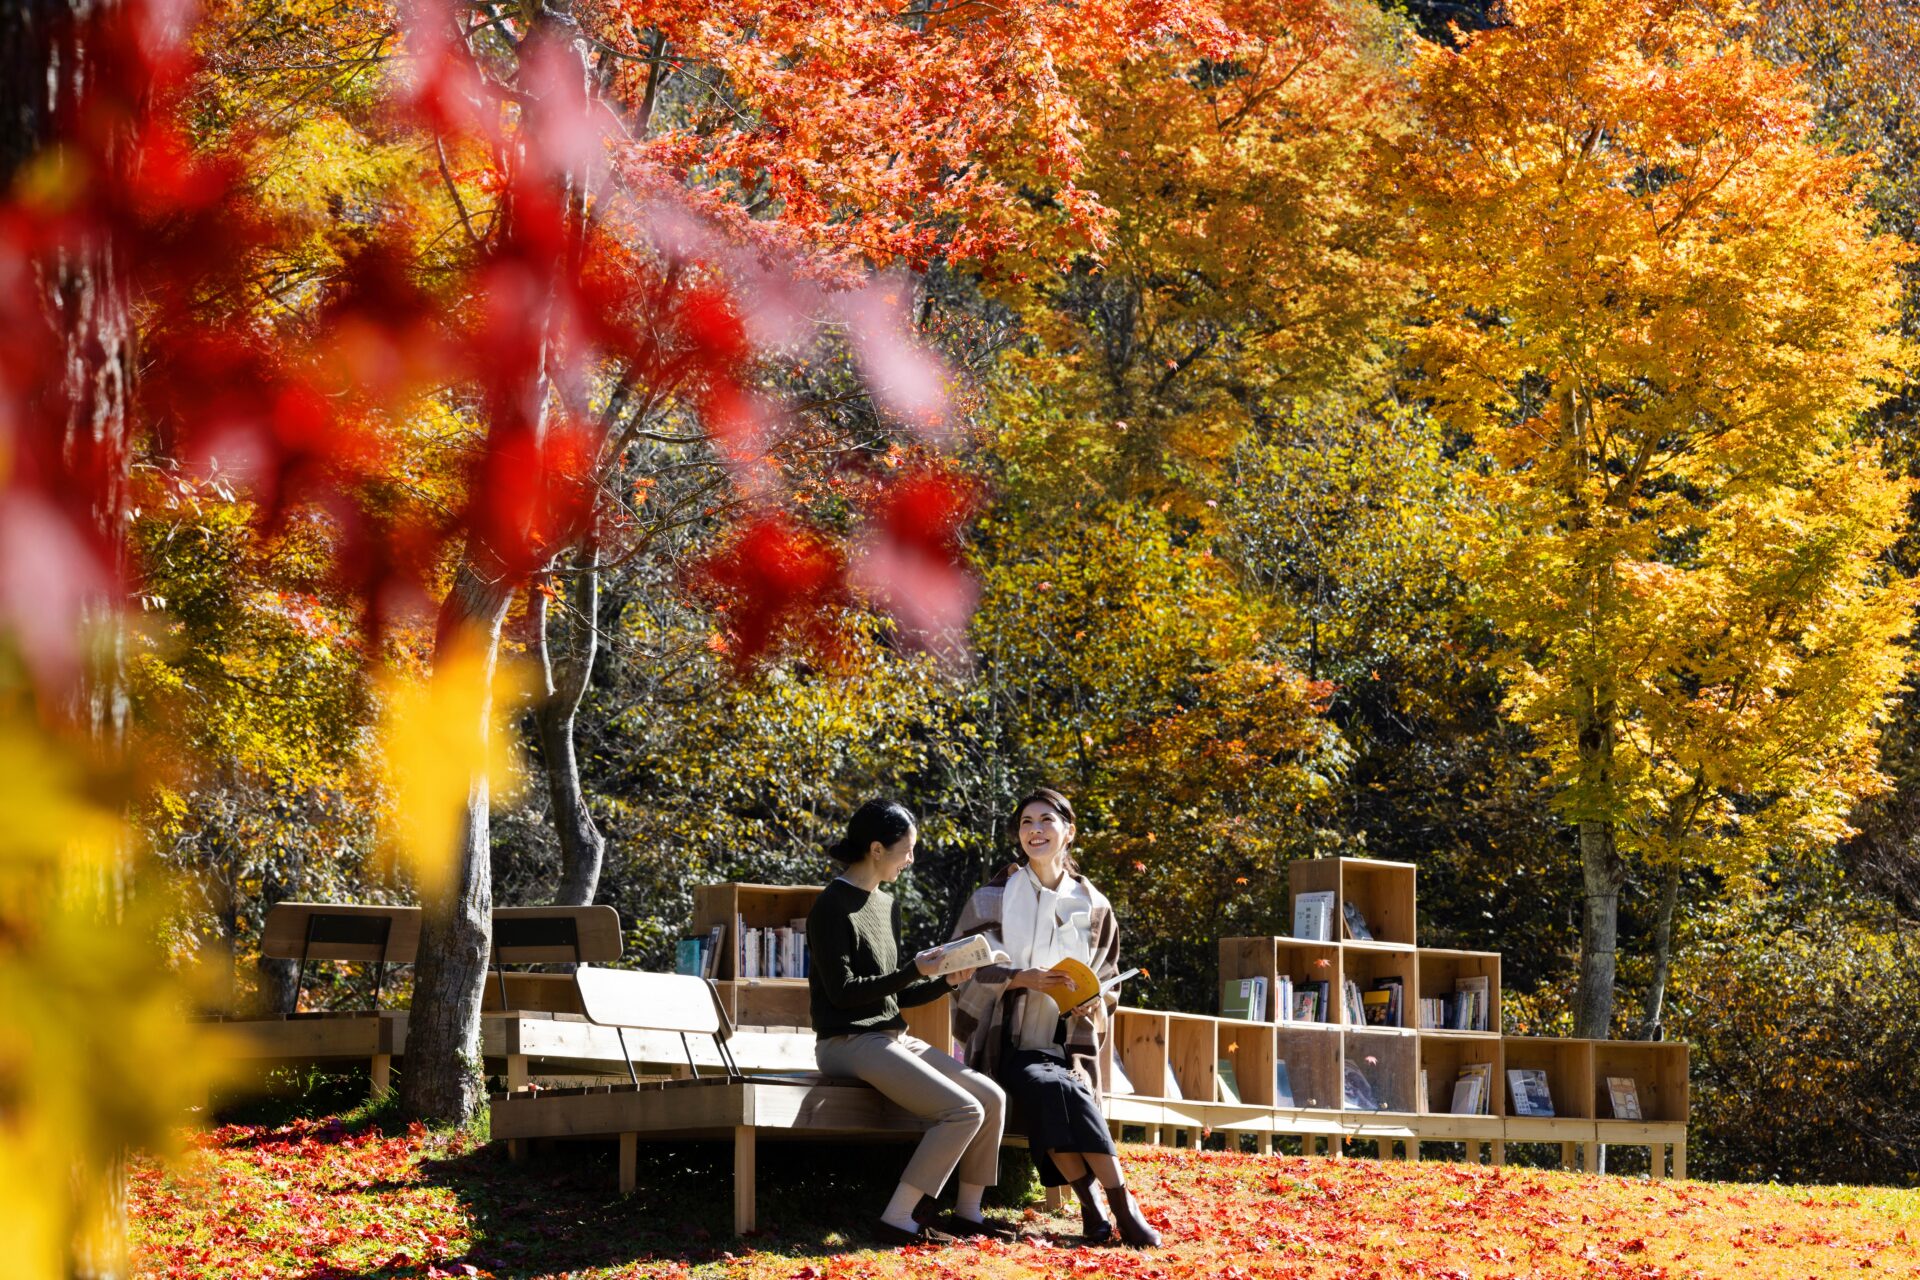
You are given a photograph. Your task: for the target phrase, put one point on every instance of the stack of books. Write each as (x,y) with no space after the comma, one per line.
(1472,1095)
(773,952)
(1464,1010)
(700,957)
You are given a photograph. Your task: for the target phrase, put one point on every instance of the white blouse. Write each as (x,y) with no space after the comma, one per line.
(1041,927)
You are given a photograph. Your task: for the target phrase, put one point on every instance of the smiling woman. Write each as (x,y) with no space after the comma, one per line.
(859,986)
(1016,1023)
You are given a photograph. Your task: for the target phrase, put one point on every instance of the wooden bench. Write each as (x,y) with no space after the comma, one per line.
(545,1033)
(718,1101)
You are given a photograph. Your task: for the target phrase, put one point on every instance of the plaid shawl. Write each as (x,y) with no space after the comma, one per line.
(982,1005)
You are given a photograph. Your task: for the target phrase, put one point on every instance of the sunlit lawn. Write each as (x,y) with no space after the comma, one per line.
(335,1197)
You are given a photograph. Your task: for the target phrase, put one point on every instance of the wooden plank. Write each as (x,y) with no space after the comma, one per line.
(1680,1157)
(516,1072)
(382,1071)
(314,1039)
(596,928)
(284,934)
(629,1162)
(743,1179)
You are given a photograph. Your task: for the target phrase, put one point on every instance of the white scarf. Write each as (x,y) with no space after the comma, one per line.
(1041,927)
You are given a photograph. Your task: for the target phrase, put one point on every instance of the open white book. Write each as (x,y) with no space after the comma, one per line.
(971,952)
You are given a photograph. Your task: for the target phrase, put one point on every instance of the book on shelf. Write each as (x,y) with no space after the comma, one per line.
(686,956)
(1420,1097)
(1394,989)
(1472,1092)
(1530,1094)
(1306,1006)
(1282,1085)
(1283,999)
(1313,916)
(1357,1090)
(1244,998)
(970,952)
(1624,1095)
(1320,996)
(1374,1005)
(1118,1081)
(1170,1083)
(1356,923)
(1472,1014)
(1226,1082)
(710,951)
(1354,1012)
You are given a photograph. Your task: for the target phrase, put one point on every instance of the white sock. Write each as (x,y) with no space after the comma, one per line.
(900,1209)
(969,1203)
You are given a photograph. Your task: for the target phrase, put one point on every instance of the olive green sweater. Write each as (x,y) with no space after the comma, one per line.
(856,979)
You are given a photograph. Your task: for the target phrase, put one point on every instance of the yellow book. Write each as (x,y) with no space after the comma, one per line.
(1085,985)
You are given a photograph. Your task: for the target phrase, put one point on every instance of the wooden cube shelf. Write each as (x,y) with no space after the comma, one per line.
(1658,1070)
(1441,970)
(1140,1044)
(751,906)
(1249,1047)
(1275,958)
(1382,891)
(1569,1068)
(1442,1056)
(1389,1062)
(768,1002)
(1312,1054)
(1192,1045)
(1365,964)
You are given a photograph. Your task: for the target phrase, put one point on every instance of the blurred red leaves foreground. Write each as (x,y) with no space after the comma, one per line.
(316,1201)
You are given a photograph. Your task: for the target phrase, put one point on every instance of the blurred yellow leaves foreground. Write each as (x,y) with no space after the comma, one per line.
(445,748)
(96,1055)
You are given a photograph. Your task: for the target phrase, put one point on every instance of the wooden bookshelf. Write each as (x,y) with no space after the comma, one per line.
(1441,969)
(1192,1048)
(1140,1042)
(1274,958)
(752,906)
(1658,1070)
(1312,1053)
(1249,1047)
(1365,964)
(1389,1060)
(1442,1056)
(1569,1068)
(1383,892)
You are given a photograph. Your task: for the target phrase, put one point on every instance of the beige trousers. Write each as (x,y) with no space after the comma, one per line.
(967,1109)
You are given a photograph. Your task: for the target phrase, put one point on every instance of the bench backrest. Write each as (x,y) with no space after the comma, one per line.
(555,935)
(651,1002)
(341,931)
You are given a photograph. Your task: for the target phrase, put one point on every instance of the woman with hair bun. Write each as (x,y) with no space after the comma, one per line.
(858,986)
(1041,911)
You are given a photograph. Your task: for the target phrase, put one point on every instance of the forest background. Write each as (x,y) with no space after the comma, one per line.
(1238,526)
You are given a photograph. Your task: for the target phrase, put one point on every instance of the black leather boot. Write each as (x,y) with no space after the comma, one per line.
(1135,1231)
(1095,1227)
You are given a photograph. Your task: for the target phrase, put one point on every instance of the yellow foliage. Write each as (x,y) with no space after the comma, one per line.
(96,1057)
(446,747)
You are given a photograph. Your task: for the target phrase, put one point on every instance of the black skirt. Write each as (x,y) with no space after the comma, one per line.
(1058,1112)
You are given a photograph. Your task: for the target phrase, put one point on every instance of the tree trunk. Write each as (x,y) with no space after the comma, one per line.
(1651,1027)
(443,1081)
(1599,931)
(582,847)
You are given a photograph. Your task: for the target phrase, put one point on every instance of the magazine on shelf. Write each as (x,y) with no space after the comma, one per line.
(1170,1083)
(1282,1085)
(686,957)
(1355,1013)
(1283,999)
(1356,923)
(1358,1090)
(1226,1081)
(1473,1015)
(970,952)
(1313,916)
(1466,1095)
(1374,1004)
(1530,1094)
(1624,1094)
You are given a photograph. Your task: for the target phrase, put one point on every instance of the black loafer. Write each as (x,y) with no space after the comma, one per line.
(967,1229)
(886,1233)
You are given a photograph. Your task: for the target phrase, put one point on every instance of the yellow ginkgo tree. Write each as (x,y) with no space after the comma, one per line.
(1657,310)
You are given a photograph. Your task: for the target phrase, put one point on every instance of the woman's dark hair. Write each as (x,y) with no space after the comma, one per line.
(882,820)
(1053,800)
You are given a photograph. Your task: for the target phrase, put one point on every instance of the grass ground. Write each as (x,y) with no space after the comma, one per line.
(346,1197)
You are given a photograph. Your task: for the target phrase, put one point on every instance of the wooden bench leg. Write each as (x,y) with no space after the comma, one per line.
(1497,1151)
(1263,1143)
(1566,1155)
(1056,1199)
(516,1072)
(516,1150)
(1680,1159)
(382,1074)
(629,1162)
(1411,1151)
(1153,1135)
(743,1176)
(1587,1155)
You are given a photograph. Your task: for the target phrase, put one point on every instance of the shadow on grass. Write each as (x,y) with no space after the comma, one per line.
(557,1210)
